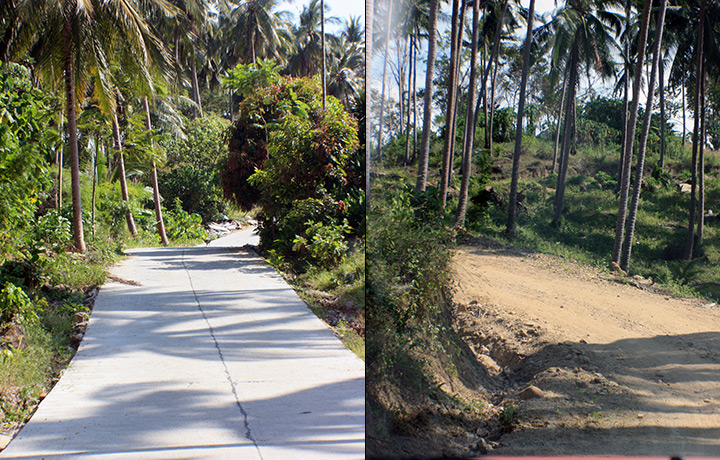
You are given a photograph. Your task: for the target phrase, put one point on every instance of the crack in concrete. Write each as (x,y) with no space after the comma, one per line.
(248,432)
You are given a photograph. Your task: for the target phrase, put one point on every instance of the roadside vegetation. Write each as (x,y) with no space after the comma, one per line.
(122,124)
(518,137)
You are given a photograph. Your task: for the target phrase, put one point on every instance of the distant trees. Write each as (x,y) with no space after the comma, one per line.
(580,40)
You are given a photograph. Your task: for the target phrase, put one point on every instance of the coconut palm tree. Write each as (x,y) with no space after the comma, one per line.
(78,37)
(512,207)
(469,115)
(579,35)
(427,116)
(632,215)
(629,138)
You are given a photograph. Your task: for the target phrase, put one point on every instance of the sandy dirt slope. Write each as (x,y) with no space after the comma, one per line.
(623,368)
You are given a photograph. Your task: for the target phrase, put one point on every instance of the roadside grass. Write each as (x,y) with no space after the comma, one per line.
(36,345)
(587,231)
(337,296)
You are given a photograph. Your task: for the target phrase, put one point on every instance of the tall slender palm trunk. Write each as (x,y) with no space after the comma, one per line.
(453,115)
(568,137)
(422,174)
(511,228)
(322,47)
(77,222)
(156,189)
(559,119)
(121,173)
(468,146)
(632,215)
(626,88)
(452,100)
(406,161)
(630,128)
(661,89)
(197,110)
(369,13)
(701,165)
(384,78)
(699,70)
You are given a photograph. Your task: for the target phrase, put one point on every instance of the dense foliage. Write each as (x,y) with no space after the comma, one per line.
(26,146)
(290,156)
(191,171)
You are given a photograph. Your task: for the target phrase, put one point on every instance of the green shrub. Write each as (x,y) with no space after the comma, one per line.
(179,225)
(191,171)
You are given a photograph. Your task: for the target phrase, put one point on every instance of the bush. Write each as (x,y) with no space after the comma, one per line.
(191,172)
(291,157)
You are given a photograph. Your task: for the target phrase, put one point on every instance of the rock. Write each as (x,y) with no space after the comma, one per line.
(532,392)
(615,268)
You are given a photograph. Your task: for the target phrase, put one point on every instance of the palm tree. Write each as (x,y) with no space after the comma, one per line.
(451,101)
(697,131)
(384,78)
(156,190)
(578,35)
(469,115)
(629,137)
(427,116)
(512,207)
(78,36)
(257,30)
(369,5)
(632,216)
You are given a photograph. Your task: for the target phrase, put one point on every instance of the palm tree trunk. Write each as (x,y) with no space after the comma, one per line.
(59,162)
(458,60)
(699,70)
(568,138)
(409,101)
(701,165)
(121,174)
(626,88)
(632,215)
(511,229)
(369,13)
(77,222)
(661,88)
(490,128)
(384,78)
(94,182)
(467,148)
(629,140)
(322,47)
(452,100)
(197,110)
(427,108)
(559,119)
(682,88)
(156,189)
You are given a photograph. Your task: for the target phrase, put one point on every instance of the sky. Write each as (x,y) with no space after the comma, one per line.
(343,9)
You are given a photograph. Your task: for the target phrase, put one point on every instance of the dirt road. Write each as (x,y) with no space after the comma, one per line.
(623,369)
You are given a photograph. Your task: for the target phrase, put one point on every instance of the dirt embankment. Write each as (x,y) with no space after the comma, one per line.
(622,368)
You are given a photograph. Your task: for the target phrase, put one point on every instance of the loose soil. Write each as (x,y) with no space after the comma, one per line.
(620,366)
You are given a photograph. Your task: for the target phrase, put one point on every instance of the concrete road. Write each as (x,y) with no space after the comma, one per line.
(202,352)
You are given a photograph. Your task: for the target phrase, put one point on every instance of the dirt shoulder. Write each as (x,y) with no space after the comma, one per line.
(623,368)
